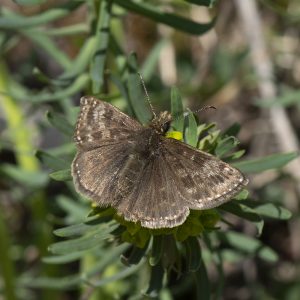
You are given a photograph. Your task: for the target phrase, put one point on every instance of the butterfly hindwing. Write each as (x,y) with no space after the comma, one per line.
(95,171)
(154,200)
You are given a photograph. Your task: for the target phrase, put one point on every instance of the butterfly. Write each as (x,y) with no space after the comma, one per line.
(145,176)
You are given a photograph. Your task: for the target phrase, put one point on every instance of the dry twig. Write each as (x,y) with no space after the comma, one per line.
(277,116)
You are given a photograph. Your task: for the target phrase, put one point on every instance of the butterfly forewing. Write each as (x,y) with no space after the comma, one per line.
(104,137)
(100,123)
(204,180)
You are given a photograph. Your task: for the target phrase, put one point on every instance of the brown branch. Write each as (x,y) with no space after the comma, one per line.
(278,118)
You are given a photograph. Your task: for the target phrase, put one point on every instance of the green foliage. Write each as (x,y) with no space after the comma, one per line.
(176,248)
(172,20)
(266,163)
(86,241)
(202,2)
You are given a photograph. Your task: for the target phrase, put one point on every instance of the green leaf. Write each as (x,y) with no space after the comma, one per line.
(169,19)
(121,87)
(64,259)
(274,161)
(82,228)
(102,40)
(202,282)
(137,236)
(51,161)
(225,146)
(204,128)
(43,78)
(60,122)
(249,245)
(288,98)
(191,135)
(218,259)
(121,275)
(110,255)
(46,96)
(47,45)
(73,281)
(177,110)
(242,195)
(244,212)
(81,61)
(29,2)
(269,210)
(10,20)
(74,29)
(136,95)
(79,244)
(85,242)
(75,211)
(27,178)
(156,281)
(157,250)
(232,256)
(234,156)
(65,152)
(209,217)
(150,64)
(135,256)
(233,130)
(193,254)
(63,283)
(209,142)
(189,228)
(208,3)
(62,175)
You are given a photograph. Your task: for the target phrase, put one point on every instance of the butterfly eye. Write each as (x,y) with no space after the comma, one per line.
(165,127)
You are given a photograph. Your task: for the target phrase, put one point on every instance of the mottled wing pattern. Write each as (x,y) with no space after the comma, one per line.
(143,175)
(105,138)
(96,172)
(154,199)
(204,180)
(140,189)
(99,123)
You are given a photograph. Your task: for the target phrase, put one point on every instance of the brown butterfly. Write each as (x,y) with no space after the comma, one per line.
(145,176)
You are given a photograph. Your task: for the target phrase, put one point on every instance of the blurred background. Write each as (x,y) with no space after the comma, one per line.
(242,56)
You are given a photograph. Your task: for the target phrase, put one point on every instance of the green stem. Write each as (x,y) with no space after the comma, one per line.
(6,263)
(87,262)
(11,20)
(102,34)
(21,139)
(19,134)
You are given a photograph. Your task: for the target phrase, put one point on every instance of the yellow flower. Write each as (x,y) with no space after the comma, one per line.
(177,135)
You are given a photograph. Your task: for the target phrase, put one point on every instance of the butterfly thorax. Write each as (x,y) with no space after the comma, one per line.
(161,123)
(149,142)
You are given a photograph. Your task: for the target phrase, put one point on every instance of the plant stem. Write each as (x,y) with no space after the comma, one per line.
(21,139)
(6,263)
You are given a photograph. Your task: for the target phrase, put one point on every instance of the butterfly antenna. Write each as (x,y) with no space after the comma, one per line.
(194,112)
(204,108)
(147,95)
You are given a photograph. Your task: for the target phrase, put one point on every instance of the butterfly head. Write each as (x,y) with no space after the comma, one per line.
(161,123)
